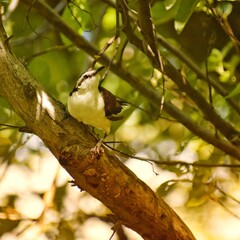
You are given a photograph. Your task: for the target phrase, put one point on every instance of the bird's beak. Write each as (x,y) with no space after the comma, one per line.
(99,69)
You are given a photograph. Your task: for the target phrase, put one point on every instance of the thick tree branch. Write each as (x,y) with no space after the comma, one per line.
(104,176)
(195,68)
(139,84)
(223,126)
(127,19)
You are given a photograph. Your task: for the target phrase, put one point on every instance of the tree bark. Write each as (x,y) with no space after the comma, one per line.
(103,176)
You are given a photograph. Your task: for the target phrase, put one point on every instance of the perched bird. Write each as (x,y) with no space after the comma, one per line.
(92,104)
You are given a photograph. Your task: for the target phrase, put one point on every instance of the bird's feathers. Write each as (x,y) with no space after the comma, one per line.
(92,104)
(112,105)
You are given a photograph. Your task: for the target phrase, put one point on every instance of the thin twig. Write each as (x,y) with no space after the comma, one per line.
(173,162)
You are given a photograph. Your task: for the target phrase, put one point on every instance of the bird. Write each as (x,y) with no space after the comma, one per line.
(92,104)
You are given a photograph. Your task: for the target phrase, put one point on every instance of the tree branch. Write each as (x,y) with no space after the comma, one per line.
(143,87)
(195,68)
(144,18)
(104,176)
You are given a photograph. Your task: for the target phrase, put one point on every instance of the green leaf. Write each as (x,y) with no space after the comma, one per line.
(166,188)
(185,10)
(224,9)
(169,4)
(5,141)
(234,92)
(163,12)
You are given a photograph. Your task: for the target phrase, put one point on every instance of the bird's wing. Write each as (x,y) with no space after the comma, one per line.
(112,106)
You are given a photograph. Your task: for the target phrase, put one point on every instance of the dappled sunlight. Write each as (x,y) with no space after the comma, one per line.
(173,66)
(44,167)
(44,105)
(29,205)
(18,184)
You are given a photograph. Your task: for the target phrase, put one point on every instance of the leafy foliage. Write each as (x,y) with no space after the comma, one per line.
(199,39)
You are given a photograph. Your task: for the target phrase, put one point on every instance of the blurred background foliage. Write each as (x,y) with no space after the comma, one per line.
(36,200)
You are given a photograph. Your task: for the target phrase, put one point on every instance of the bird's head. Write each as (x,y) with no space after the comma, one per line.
(89,79)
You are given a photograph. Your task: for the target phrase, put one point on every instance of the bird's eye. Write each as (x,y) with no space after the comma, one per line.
(82,78)
(85,76)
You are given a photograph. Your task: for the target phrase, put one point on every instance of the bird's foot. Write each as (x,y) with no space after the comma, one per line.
(98,149)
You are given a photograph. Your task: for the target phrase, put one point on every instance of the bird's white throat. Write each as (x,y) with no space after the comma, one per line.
(86,104)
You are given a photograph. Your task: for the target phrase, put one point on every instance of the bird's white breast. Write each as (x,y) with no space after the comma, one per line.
(87,106)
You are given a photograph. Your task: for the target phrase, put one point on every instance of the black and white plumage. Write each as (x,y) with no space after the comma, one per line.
(92,104)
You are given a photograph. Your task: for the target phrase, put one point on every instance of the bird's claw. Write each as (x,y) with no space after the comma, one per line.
(98,149)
